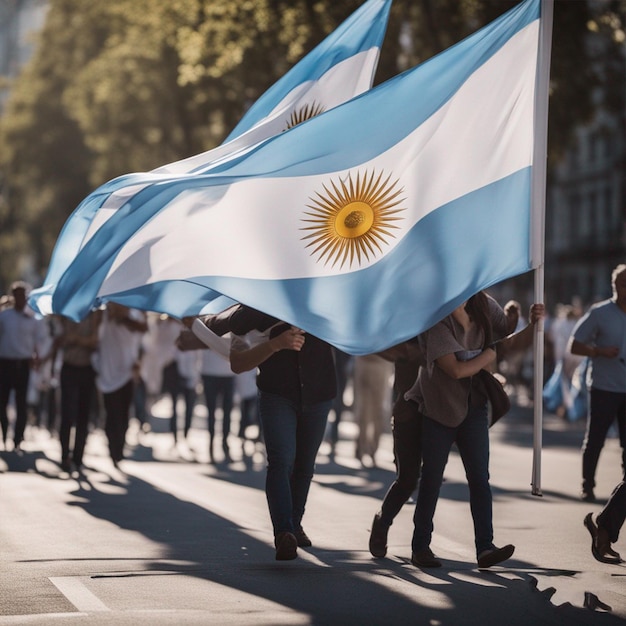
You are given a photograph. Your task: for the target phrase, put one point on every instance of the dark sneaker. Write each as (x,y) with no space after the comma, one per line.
(66,465)
(286,546)
(425,558)
(494,555)
(302,539)
(378,538)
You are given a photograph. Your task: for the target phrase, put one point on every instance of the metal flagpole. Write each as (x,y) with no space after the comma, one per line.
(538,210)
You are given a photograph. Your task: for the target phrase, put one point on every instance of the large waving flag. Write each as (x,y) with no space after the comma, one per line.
(363,226)
(342,66)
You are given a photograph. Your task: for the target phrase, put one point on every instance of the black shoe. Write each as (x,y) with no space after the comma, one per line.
(494,555)
(378,538)
(587,495)
(302,538)
(425,558)
(600,547)
(286,546)
(66,465)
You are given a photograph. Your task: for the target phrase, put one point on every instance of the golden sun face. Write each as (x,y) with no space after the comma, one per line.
(349,222)
(304,113)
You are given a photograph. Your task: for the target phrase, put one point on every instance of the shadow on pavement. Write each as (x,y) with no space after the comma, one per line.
(340,587)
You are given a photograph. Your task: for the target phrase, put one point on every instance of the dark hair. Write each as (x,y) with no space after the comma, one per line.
(477,308)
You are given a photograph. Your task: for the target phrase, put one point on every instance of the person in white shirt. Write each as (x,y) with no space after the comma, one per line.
(22,341)
(372,402)
(117,364)
(158,353)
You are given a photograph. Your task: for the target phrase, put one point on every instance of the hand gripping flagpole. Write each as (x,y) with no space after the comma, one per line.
(538,211)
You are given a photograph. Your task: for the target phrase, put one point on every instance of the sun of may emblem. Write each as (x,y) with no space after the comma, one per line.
(303,114)
(349,222)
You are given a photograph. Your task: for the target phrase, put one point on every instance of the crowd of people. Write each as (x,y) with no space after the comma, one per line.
(74,377)
(288,382)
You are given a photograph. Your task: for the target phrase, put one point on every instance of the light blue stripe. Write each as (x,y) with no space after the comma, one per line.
(465,246)
(178,298)
(363,30)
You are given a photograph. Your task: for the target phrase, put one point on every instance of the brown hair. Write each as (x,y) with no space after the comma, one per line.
(477,308)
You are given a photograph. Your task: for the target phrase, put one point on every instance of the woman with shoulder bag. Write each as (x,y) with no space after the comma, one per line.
(454,411)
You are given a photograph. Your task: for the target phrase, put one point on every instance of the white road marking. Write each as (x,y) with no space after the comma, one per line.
(74,590)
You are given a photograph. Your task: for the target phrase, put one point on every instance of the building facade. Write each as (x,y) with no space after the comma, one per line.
(586,213)
(586,199)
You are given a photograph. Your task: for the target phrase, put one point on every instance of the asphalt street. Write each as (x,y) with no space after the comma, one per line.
(171,539)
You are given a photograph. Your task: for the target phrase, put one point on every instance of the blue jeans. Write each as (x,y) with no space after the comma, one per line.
(472,440)
(293,435)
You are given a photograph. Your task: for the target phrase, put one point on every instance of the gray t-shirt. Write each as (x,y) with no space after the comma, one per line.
(439,396)
(602,326)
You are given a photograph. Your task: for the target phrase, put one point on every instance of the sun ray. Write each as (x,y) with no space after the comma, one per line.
(354,217)
(304,113)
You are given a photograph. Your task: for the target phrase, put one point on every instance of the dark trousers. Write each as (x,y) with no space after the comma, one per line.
(117,413)
(140,397)
(407,450)
(77,387)
(472,440)
(47,407)
(604,408)
(222,387)
(175,385)
(189,396)
(342,366)
(249,415)
(14,374)
(613,514)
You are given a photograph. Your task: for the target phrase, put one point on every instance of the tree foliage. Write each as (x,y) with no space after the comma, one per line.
(128,85)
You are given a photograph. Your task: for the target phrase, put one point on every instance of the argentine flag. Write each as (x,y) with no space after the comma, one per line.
(342,66)
(365,225)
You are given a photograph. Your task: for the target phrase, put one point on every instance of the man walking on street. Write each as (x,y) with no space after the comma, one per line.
(601,335)
(21,342)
